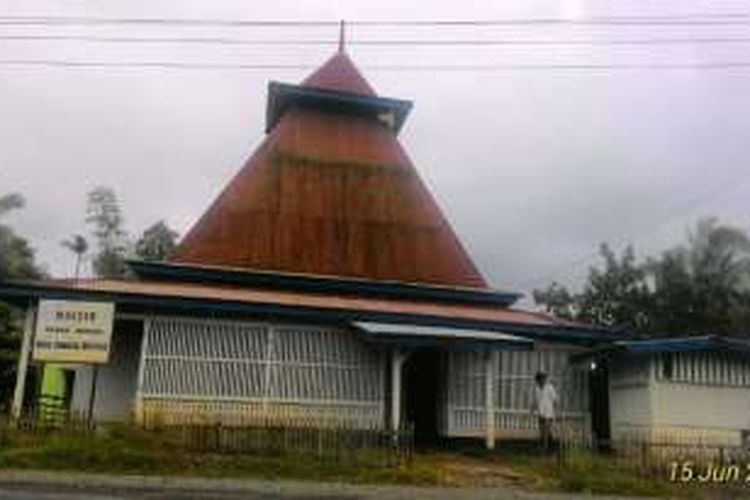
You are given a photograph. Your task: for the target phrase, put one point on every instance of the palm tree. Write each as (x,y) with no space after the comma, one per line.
(79,246)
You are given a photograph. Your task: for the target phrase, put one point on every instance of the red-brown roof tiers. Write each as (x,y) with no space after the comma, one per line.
(341,75)
(330,191)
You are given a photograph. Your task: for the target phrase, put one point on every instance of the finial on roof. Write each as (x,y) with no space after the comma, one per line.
(342,28)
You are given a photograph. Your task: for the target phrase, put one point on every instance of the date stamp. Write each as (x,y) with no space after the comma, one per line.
(709,473)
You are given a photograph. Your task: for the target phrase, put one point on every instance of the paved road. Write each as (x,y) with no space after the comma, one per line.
(38,485)
(44,492)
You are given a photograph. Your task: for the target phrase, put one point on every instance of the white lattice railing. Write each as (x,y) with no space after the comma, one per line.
(514,388)
(222,371)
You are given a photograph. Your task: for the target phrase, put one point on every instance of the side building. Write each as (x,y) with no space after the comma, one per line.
(678,391)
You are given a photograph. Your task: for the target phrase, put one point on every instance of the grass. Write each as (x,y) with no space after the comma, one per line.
(127,450)
(582,472)
(124,450)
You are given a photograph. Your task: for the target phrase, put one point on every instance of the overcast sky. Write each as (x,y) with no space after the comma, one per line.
(533,167)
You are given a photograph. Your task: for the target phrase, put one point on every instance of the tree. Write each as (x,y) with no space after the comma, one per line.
(703,287)
(615,296)
(700,287)
(104,215)
(156,242)
(16,256)
(558,300)
(79,246)
(16,261)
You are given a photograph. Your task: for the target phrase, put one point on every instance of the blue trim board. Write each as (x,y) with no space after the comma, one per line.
(20,293)
(320,284)
(700,343)
(282,96)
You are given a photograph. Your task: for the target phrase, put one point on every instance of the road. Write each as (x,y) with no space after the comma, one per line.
(40,485)
(47,492)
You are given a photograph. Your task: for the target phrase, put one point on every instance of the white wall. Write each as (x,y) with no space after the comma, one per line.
(116,381)
(630,396)
(705,399)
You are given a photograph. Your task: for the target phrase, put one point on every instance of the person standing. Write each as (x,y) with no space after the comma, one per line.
(543,406)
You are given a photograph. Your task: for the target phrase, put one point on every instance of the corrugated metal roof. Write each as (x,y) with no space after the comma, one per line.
(298,299)
(335,194)
(411,330)
(340,74)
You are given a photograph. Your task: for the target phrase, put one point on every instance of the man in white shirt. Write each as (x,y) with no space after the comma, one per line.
(543,406)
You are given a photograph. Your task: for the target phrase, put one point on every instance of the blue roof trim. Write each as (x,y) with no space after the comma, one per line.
(281,96)
(701,343)
(20,293)
(321,284)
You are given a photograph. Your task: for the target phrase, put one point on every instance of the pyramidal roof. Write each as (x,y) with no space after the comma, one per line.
(330,191)
(339,74)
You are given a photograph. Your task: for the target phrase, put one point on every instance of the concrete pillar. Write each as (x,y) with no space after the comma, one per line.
(489,398)
(397,362)
(138,407)
(23,363)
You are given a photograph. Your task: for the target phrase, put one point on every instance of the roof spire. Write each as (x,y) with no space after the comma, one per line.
(342,35)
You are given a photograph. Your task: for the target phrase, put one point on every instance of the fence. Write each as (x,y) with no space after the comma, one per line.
(329,441)
(676,457)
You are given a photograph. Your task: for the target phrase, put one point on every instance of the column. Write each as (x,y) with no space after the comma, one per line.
(489,398)
(397,361)
(139,408)
(23,363)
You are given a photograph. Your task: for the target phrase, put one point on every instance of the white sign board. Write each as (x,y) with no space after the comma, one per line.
(73,332)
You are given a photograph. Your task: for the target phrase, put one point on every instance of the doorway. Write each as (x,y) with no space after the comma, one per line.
(423,382)
(599,404)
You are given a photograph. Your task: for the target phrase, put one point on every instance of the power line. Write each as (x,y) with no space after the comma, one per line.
(374,42)
(68,63)
(667,20)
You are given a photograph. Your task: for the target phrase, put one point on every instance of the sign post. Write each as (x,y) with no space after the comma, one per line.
(75,332)
(23,364)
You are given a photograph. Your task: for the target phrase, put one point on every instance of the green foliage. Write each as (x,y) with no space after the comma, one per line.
(703,287)
(156,243)
(16,256)
(10,343)
(10,202)
(700,287)
(616,296)
(593,474)
(16,261)
(105,217)
(129,449)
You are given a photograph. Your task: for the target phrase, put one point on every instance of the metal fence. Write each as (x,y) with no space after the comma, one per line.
(677,457)
(331,441)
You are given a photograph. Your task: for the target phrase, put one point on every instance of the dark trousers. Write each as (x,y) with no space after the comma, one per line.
(545,434)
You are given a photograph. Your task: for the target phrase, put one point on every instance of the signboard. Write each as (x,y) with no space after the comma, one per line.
(73,332)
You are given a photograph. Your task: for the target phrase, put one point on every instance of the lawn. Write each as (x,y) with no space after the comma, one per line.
(124,450)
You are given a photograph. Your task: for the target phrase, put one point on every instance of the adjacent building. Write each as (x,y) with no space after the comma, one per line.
(678,390)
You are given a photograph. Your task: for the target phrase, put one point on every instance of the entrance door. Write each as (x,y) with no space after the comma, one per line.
(423,385)
(599,404)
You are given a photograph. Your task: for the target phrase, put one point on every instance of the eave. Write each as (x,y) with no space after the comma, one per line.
(24,294)
(194,273)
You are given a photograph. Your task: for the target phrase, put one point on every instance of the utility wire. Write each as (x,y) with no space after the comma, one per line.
(667,20)
(69,63)
(374,42)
